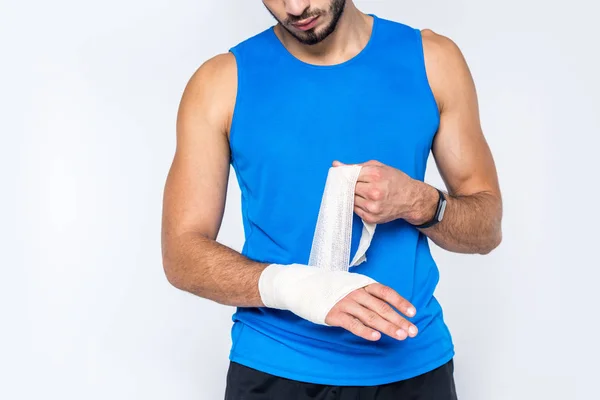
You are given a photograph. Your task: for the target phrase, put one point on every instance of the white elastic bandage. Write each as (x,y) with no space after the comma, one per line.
(333,234)
(310,291)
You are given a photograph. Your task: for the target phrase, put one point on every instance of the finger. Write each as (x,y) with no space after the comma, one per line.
(361,203)
(391,297)
(370,162)
(364,175)
(375,162)
(354,325)
(365,215)
(371,318)
(369,173)
(369,191)
(368,206)
(385,311)
(362,189)
(337,163)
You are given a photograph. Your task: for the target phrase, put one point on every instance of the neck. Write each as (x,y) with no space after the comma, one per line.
(350,36)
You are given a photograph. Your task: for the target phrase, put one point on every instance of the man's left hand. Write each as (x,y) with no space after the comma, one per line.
(384,193)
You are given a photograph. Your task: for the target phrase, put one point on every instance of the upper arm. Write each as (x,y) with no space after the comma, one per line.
(461,152)
(196,187)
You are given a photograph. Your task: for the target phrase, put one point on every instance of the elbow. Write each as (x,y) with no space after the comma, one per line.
(495,239)
(172,261)
(181,267)
(182,277)
(174,275)
(185,280)
(173,268)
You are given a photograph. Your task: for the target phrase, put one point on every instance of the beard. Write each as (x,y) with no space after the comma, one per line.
(311,36)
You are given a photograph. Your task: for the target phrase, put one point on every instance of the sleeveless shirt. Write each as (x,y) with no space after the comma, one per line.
(291,121)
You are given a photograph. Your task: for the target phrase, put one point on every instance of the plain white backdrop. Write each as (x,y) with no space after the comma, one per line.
(88,99)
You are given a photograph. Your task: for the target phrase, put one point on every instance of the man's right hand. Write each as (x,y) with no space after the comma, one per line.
(367,313)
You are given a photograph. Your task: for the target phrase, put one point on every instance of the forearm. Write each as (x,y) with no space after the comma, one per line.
(471,223)
(202,266)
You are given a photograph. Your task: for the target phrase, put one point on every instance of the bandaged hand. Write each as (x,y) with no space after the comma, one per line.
(349,300)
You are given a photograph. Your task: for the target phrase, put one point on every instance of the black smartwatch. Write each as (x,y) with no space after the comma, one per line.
(439,212)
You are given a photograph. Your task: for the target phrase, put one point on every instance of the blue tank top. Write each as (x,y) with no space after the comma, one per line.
(291,121)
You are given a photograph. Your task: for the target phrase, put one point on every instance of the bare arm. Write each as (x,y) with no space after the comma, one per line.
(473,214)
(195,193)
(472,221)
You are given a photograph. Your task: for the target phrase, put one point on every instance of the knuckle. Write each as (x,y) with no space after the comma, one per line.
(359,211)
(355,325)
(375,194)
(375,208)
(370,219)
(385,291)
(391,329)
(384,309)
(351,297)
(369,206)
(402,323)
(344,304)
(371,318)
(376,173)
(373,289)
(365,217)
(405,324)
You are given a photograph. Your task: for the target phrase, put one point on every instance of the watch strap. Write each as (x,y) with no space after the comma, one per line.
(439,212)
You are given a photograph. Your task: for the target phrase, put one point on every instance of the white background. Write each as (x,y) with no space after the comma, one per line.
(88,99)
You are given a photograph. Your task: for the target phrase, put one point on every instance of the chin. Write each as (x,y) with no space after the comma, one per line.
(312,37)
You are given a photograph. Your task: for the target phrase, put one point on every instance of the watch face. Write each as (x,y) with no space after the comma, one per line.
(441,216)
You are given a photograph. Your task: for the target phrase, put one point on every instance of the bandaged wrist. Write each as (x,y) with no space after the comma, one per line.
(309,292)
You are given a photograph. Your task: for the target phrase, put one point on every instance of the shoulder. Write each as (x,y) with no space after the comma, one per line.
(447,69)
(221,71)
(211,90)
(216,71)
(440,49)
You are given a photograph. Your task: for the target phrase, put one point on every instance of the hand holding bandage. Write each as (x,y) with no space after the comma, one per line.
(325,292)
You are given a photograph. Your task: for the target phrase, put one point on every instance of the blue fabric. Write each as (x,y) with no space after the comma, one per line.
(291,120)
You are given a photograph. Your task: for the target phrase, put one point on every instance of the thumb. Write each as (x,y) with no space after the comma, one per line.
(337,163)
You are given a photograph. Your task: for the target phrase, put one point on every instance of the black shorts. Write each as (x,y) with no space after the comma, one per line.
(245,383)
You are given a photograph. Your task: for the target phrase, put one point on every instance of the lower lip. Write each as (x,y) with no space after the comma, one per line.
(308,26)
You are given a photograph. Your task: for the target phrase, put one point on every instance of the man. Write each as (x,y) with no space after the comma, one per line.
(328,86)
